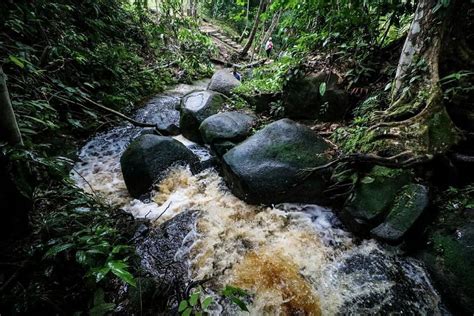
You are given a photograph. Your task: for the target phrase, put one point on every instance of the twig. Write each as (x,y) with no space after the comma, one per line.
(116,113)
(163,212)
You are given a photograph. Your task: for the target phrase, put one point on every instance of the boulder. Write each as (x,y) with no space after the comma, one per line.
(162,259)
(303,98)
(148,158)
(162,111)
(228,126)
(411,201)
(223,81)
(195,108)
(373,196)
(268,167)
(449,252)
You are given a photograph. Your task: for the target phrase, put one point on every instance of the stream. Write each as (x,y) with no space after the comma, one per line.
(292,259)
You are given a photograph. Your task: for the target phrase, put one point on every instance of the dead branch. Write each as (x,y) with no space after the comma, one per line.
(239,66)
(111,111)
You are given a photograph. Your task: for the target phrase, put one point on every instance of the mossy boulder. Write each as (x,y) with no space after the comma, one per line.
(269,166)
(195,108)
(449,251)
(316,97)
(223,81)
(373,196)
(227,127)
(410,203)
(148,158)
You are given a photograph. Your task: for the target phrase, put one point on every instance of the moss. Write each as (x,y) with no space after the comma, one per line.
(297,153)
(457,261)
(442,132)
(409,204)
(375,193)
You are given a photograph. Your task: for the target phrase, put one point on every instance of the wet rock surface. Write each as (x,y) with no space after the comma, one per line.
(195,108)
(374,194)
(223,81)
(163,256)
(148,158)
(224,130)
(405,292)
(267,167)
(449,256)
(411,201)
(164,112)
(227,126)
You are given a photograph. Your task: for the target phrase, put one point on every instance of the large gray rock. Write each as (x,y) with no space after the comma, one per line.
(223,81)
(227,126)
(148,158)
(268,167)
(410,203)
(162,259)
(302,98)
(373,196)
(195,108)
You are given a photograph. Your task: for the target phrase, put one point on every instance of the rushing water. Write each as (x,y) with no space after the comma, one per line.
(293,259)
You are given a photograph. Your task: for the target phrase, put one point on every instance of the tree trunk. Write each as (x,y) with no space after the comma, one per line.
(261,9)
(241,38)
(417,119)
(271,29)
(15,199)
(418,43)
(9,131)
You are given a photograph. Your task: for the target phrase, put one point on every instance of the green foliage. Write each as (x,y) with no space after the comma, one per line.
(77,246)
(58,53)
(269,78)
(458,84)
(195,304)
(235,295)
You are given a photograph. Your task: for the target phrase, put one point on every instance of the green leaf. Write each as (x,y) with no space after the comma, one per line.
(194,298)
(187,312)
(182,306)
(367,180)
(322,88)
(207,301)
(230,290)
(81,257)
(100,307)
(16,61)
(57,249)
(100,273)
(119,268)
(239,303)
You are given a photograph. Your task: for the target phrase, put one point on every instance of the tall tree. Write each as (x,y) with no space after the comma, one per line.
(15,200)
(261,9)
(9,131)
(417,123)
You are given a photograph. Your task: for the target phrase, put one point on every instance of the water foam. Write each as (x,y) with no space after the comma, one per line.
(292,258)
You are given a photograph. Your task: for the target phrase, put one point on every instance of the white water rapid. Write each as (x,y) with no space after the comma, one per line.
(293,259)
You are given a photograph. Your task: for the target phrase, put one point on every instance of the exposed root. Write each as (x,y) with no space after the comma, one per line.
(402,160)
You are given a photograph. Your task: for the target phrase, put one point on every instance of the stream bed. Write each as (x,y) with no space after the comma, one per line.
(293,259)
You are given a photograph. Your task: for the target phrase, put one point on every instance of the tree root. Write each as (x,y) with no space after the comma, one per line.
(402,160)
(463,158)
